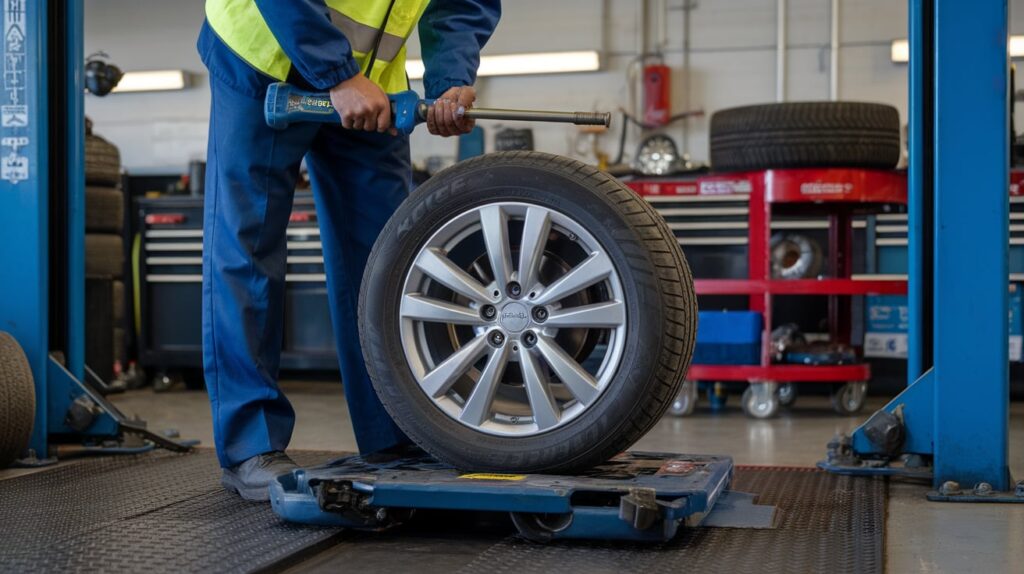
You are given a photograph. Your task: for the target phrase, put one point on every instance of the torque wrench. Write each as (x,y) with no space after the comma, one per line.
(287,104)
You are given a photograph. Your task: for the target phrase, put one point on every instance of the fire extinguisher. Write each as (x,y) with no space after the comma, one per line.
(657,95)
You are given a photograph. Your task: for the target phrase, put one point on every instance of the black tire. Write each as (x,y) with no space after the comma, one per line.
(661,312)
(805,134)
(104,209)
(102,162)
(17,400)
(118,346)
(118,302)
(104,255)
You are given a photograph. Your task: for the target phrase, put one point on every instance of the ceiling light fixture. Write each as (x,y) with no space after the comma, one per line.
(152,81)
(899,51)
(522,64)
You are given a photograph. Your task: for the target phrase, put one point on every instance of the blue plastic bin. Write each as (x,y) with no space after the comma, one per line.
(728,338)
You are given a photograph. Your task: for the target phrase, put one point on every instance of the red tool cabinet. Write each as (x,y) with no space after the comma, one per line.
(838,195)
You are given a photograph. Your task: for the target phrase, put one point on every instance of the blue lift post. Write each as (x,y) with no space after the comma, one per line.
(24,293)
(42,185)
(955,412)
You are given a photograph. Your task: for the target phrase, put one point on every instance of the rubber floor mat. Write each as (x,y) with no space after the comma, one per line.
(825,523)
(157,512)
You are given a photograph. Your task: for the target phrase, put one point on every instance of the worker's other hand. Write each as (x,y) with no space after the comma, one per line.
(446,117)
(362,105)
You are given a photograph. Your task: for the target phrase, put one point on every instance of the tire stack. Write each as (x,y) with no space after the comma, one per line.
(104,243)
(803,135)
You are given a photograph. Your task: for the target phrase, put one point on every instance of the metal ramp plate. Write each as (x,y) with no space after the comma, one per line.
(635,496)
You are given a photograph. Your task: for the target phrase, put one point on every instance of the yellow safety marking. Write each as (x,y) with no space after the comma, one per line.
(489,476)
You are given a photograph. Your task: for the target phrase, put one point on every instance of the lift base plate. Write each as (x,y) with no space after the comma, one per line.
(635,496)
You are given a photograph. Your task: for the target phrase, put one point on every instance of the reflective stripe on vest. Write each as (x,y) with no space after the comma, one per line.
(240,25)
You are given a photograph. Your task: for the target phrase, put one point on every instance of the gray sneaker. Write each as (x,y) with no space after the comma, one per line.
(251,478)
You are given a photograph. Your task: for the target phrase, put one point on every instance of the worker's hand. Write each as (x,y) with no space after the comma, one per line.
(362,105)
(445,117)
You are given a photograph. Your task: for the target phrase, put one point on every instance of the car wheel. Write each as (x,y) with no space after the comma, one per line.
(526,312)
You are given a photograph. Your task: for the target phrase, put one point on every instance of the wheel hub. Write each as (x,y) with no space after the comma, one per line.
(514,317)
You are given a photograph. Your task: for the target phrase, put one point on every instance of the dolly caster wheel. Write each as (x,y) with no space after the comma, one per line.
(539,527)
(760,400)
(787,394)
(164,381)
(686,401)
(849,398)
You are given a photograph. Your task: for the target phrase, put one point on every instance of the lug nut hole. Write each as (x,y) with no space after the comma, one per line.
(529,339)
(497,338)
(540,314)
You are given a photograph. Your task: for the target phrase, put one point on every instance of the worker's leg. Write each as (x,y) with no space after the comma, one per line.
(359,178)
(250,181)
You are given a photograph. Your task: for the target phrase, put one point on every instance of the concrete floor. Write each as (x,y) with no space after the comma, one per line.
(921,536)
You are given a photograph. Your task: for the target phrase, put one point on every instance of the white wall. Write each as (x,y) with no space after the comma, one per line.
(732,62)
(156,132)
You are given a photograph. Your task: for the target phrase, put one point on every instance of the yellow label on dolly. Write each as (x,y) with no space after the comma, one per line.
(489,476)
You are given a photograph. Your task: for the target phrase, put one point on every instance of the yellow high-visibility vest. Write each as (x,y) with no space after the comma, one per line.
(240,25)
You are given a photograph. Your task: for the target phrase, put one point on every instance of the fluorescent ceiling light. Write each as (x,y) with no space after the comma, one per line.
(1016,46)
(151,81)
(520,64)
(899,52)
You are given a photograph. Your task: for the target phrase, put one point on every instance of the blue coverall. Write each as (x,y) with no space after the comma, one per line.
(359,178)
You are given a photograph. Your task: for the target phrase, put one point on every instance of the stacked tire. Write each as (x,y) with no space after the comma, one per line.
(104,243)
(805,134)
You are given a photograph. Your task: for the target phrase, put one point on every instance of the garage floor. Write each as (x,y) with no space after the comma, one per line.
(921,536)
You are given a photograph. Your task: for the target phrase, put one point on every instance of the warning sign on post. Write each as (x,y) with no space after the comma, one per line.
(14,110)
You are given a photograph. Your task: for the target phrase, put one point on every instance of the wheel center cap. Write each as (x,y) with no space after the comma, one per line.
(514,317)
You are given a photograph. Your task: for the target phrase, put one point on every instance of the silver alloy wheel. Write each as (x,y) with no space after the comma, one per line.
(513,283)
(657,155)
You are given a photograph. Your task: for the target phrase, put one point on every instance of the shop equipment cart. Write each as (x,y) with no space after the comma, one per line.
(836,195)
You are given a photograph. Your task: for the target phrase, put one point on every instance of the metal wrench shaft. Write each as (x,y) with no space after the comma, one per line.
(286,105)
(576,118)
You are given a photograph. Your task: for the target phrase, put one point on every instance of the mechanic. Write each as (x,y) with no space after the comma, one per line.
(360,172)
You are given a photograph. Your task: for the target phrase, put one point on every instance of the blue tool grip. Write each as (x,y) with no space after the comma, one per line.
(286,105)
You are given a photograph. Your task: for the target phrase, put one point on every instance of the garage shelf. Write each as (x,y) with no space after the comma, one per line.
(788,373)
(863,285)
(836,196)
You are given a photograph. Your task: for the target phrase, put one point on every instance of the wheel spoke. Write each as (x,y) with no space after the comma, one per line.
(576,379)
(607,315)
(538,391)
(478,406)
(436,264)
(437,382)
(494,223)
(420,308)
(593,269)
(536,228)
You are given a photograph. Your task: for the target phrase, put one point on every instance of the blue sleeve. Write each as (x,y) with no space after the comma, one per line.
(319,51)
(452,33)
